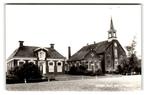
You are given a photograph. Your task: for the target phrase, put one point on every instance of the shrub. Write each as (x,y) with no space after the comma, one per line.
(12,79)
(80,70)
(27,72)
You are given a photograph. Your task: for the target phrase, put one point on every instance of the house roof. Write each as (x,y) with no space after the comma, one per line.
(28,51)
(97,47)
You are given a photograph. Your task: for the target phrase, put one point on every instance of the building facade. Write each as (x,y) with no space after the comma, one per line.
(47,59)
(104,56)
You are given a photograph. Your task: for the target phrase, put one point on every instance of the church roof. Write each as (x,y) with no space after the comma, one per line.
(28,51)
(97,47)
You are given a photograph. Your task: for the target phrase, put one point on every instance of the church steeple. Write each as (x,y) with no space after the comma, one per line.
(111,25)
(111,32)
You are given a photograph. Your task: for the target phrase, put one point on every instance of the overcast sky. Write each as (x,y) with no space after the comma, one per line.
(70,25)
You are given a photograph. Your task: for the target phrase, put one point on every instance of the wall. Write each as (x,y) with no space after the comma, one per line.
(109,59)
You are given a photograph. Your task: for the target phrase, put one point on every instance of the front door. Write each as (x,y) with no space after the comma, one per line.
(103,66)
(42,66)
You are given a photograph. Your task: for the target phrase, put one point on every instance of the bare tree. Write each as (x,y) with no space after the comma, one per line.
(131,48)
(133,62)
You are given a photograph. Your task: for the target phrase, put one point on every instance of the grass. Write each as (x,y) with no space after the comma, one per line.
(86,83)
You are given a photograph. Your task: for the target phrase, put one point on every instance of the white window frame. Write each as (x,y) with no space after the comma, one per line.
(51,66)
(32,61)
(18,62)
(59,62)
(51,62)
(59,67)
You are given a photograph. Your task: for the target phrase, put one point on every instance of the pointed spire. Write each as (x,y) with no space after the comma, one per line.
(111,24)
(111,32)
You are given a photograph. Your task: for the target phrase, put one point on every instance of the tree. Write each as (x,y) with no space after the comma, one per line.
(133,61)
(135,65)
(131,48)
(26,72)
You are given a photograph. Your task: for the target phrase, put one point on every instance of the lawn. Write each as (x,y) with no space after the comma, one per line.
(82,83)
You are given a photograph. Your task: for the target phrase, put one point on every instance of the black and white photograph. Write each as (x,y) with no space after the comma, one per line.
(73,47)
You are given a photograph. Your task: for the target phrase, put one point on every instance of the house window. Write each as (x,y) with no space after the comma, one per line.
(31,61)
(20,63)
(59,66)
(51,66)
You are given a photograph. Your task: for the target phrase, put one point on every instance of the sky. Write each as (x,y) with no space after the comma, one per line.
(70,25)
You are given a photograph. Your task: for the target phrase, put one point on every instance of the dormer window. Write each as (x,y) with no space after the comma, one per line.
(41,55)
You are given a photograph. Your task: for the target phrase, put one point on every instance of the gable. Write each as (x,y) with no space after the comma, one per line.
(92,55)
(120,49)
(41,55)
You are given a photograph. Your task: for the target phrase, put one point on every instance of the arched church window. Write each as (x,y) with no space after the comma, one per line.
(115,44)
(115,53)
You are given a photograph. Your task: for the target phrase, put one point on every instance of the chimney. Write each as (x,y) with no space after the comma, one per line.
(69,52)
(94,42)
(21,43)
(52,46)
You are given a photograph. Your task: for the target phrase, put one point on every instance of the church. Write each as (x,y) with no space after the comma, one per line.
(104,56)
(47,59)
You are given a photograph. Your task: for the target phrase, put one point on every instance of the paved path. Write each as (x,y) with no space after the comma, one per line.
(103,83)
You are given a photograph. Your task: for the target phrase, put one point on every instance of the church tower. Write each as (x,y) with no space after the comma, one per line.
(111,32)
